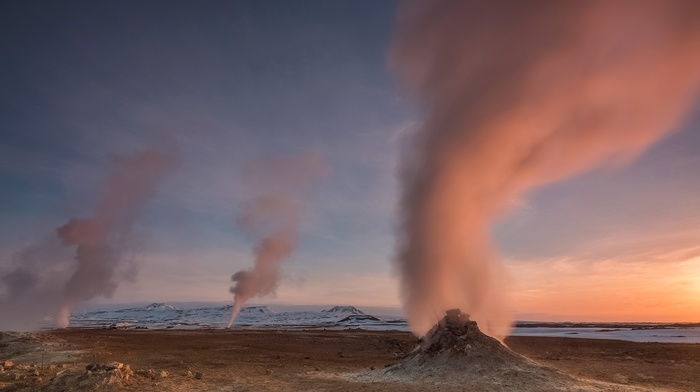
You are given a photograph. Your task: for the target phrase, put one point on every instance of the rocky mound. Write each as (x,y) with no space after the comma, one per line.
(456,353)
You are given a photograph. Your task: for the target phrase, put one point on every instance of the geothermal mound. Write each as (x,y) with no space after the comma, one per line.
(456,353)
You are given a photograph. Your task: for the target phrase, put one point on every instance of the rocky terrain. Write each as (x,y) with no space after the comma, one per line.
(313,360)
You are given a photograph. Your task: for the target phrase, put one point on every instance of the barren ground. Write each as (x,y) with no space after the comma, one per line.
(244,360)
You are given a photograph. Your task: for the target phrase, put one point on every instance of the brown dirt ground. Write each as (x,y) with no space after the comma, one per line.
(246,360)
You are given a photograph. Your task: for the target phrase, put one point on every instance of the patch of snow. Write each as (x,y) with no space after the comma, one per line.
(358,317)
(659,335)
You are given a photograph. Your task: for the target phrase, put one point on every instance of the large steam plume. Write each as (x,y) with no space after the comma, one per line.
(100,240)
(42,283)
(31,283)
(518,94)
(272,219)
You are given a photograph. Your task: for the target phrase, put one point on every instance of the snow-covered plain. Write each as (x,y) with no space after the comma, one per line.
(660,334)
(164,316)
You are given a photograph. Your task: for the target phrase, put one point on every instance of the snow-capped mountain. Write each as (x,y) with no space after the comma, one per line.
(256,310)
(344,310)
(159,306)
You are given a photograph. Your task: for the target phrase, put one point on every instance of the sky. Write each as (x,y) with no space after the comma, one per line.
(229,83)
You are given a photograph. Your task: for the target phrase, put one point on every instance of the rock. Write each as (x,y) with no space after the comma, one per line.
(268,372)
(317,369)
(8,364)
(620,379)
(163,374)
(91,367)
(455,317)
(307,357)
(52,367)
(189,374)
(2,369)
(33,372)
(198,375)
(113,379)
(126,371)
(114,365)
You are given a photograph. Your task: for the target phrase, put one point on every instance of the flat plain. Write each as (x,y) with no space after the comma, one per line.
(314,360)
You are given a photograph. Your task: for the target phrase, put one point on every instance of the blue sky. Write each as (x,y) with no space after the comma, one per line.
(228,82)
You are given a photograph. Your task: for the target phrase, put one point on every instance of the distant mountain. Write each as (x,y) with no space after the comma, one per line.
(257,310)
(154,307)
(159,306)
(166,316)
(344,310)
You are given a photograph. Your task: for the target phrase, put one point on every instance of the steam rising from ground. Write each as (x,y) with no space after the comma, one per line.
(516,95)
(272,219)
(36,287)
(100,240)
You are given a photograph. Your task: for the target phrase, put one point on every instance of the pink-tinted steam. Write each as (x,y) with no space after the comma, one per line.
(517,94)
(273,220)
(101,239)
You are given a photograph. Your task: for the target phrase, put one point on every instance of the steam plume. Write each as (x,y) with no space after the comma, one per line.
(518,94)
(100,240)
(273,219)
(31,284)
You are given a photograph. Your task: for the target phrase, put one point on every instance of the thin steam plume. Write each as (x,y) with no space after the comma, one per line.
(516,95)
(101,240)
(273,219)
